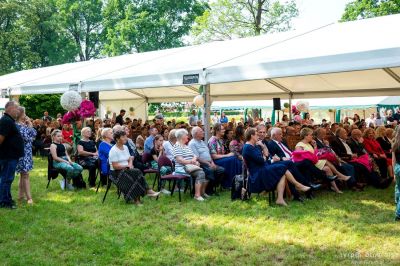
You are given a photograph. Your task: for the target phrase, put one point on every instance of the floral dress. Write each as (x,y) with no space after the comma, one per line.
(25,164)
(216,146)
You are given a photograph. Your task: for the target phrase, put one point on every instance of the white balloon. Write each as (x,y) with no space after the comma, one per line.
(71,100)
(198,101)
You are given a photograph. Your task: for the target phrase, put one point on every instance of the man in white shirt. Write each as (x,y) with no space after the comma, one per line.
(193,118)
(213,172)
(215,118)
(370,120)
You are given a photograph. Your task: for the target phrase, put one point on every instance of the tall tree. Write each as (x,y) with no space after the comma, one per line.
(47,38)
(14,39)
(139,26)
(229,19)
(361,9)
(82,20)
(30,36)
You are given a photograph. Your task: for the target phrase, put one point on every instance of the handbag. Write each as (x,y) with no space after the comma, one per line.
(190,168)
(240,183)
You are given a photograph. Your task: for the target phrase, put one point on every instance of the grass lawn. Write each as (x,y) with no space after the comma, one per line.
(69,228)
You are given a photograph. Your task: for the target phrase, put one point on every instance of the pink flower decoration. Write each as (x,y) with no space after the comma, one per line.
(69,117)
(297,118)
(86,109)
(294,110)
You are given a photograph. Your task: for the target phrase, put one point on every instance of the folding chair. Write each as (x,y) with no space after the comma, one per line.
(146,159)
(77,159)
(271,193)
(176,178)
(99,173)
(52,173)
(109,183)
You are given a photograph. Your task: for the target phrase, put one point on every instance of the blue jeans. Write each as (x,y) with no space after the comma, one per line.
(73,170)
(397,189)
(7,173)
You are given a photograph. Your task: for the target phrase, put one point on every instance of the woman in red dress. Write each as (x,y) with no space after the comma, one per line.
(373,147)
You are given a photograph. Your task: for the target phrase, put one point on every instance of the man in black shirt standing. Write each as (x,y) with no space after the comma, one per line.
(120,118)
(11,149)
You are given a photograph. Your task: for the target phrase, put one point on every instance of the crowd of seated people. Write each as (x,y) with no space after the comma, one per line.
(303,155)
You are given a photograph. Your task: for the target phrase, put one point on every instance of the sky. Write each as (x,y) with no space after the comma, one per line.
(314,13)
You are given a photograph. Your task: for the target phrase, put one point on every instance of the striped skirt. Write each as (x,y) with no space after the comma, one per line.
(130,182)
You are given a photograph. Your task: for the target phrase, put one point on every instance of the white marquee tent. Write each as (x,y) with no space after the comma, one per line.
(360,58)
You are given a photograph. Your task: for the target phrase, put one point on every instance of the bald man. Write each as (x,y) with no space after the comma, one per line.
(11,149)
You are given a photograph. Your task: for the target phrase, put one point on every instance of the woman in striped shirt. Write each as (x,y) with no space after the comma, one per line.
(184,156)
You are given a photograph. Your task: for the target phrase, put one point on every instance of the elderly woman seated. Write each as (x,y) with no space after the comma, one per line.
(104,149)
(168,146)
(375,150)
(129,180)
(88,155)
(186,162)
(308,144)
(229,161)
(263,175)
(133,151)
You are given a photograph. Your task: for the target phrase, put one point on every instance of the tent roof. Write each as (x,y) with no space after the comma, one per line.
(359,58)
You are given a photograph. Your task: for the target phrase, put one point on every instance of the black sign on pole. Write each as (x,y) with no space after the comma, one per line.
(73,87)
(191,79)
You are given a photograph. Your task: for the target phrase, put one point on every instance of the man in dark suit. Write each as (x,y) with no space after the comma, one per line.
(320,137)
(332,131)
(280,153)
(277,147)
(355,142)
(262,132)
(357,149)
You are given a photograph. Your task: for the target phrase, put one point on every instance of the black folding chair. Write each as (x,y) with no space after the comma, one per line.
(52,173)
(246,176)
(109,183)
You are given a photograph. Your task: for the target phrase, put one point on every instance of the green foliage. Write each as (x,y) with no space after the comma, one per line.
(35,105)
(75,228)
(38,33)
(361,9)
(31,36)
(174,108)
(139,26)
(227,19)
(82,21)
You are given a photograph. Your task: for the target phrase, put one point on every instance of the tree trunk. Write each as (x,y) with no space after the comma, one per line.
(258,17)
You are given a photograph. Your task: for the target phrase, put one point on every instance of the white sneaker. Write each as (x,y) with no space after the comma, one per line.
(70,187)
(62,184)
(155,194)
(176,190)
(166,192)
(199,198)
(206,196)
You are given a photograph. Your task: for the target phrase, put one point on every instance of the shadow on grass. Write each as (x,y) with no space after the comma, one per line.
(76,228)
